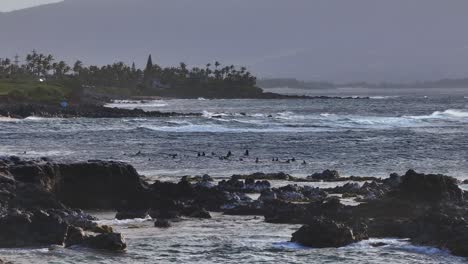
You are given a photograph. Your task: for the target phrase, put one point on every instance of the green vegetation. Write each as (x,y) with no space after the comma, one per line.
(42,78)
(33,90)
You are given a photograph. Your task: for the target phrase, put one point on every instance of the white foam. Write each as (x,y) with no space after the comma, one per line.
(447,114)
(398,244)
(289,245)
(208,114)
(132,104)
(115,222)
(384,97)
(8,119)
(38,118)
(292,116)
(215,128)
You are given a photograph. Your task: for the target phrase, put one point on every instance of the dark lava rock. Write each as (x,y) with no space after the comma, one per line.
(251,208)
(325,175)
(295,193)
(201,213)
(263,176)
(378,244)
(294,213)
(101,184)
(429,187)
(75,236)
(28,229)
(162,223)
(109,241)
(86,185)
(31,213)
(23,110)
(249,186)
(324,233)
(131,214)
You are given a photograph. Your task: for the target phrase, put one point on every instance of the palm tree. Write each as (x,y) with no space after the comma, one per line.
(78,67)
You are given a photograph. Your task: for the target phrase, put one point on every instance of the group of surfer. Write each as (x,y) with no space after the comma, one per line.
(229,155)
(246,154)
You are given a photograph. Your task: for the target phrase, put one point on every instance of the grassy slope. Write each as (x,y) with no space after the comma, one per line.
(52,92)
(33,90)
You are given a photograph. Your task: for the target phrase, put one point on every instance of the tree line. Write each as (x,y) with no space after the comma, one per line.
(212,80)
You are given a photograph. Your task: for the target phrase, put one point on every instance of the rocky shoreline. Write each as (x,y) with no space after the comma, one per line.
(23,110)
(41,203)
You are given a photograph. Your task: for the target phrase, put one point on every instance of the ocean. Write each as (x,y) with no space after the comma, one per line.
(360,137)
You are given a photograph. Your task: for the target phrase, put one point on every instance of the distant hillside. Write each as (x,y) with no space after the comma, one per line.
(340,41)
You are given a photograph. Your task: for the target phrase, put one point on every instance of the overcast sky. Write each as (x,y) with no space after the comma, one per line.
(333,40)
(9,5)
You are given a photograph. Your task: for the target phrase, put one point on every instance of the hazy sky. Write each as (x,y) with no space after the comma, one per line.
(333,40)
(9,5)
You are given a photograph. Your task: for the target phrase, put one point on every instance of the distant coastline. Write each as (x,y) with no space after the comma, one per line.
(319,85)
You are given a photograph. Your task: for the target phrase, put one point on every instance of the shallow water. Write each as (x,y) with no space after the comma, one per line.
(357,137)
(228,239)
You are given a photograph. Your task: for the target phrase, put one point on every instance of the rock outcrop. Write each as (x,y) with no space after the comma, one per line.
(34,211)
(23,110)
(324,233)
(427,208)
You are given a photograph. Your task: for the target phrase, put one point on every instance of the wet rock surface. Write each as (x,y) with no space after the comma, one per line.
(23,110)
(38,197)
(34,211)
(324,233)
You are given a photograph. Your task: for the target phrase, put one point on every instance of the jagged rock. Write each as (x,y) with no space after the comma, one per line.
(27,229)
(252,186)
(108,241)
(102,229)
(249,186)
(325,175)
(75,236)
(263,176)
(162,223)
(295,193)
(207,177)
(23,110)
(350,187)
(92,184)
(429,187)
(201,213)
(323,233)
(268,196)
(131,214)
(32,215)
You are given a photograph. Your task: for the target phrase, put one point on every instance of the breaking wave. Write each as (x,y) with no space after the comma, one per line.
(398,244)
(132,104)
(384,97)
(293,122)
(124,222)
(8,119)
(447,114)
